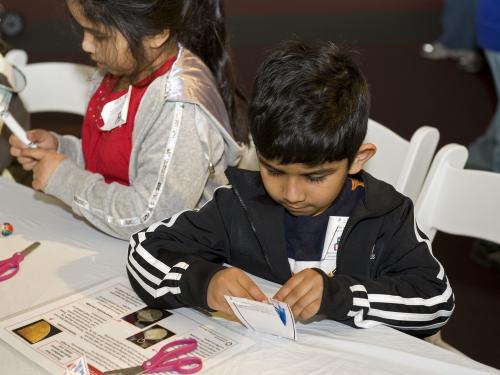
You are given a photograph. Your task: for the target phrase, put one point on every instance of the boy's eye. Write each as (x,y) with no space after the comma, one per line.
(316,178)
(273,172)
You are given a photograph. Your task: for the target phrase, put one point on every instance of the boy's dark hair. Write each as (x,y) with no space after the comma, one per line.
(198,24)
(310,105)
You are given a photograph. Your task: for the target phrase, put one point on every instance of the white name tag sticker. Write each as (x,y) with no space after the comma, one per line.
(114,113)
(336,226)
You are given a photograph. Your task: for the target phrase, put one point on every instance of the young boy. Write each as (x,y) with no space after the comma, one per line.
(344,244)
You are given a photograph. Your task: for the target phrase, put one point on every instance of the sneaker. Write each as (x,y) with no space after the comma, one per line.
(437,51)
(486,254)
(468,61)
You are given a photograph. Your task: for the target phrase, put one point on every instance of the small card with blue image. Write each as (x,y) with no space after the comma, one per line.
(273,317)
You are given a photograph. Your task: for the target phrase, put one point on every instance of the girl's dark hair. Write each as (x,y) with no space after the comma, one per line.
(198,24)
(310,104)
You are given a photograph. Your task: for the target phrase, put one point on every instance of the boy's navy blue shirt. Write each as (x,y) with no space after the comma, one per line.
(305,235)
(385,270)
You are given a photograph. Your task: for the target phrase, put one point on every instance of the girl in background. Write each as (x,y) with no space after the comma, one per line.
(160,126)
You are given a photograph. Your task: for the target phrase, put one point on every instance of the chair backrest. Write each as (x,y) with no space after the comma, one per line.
(403,164)
(53,86)
(459,201)
(249,159)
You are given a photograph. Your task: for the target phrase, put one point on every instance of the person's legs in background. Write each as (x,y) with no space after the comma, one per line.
(493,58)
(484,153)
(458,38)
(459,27)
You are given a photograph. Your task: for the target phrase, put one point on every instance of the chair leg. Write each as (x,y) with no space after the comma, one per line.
(437,339)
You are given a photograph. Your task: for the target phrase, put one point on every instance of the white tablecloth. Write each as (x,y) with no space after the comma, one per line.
(73,256)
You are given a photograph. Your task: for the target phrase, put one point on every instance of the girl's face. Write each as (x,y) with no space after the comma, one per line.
(107,47)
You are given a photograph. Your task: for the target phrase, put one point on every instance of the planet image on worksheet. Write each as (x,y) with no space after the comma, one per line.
(145,317)
(151,336)
(37,331)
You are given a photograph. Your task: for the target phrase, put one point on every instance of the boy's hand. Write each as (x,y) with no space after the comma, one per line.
(231,282)
(303,292)
(46,163)
(43,140)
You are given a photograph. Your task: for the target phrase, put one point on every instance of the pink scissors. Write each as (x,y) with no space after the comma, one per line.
(10,266)
(168,359)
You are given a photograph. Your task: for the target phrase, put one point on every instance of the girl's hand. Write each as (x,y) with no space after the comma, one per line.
(45,162)
(231,282)
(303,292)
(42,138)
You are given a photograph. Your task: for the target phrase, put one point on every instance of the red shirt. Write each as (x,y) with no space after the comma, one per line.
(108,152)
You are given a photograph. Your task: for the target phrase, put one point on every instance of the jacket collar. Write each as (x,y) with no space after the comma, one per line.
(380,197)
(190,80)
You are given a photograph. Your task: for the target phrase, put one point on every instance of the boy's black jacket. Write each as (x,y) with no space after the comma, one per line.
(386,273)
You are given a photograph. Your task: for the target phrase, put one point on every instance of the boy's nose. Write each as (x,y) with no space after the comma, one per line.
(293,192)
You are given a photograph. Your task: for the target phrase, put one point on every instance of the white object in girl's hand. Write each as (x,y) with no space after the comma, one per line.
(18,81)
(15,128)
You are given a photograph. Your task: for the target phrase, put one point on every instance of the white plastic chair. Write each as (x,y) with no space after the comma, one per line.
(53,86)
(249,159)
(403,164)
(458,201)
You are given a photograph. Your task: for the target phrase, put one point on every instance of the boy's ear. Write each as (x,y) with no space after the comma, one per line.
(158,40)
(365,152)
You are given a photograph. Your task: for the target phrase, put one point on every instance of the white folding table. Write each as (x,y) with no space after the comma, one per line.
(73,256)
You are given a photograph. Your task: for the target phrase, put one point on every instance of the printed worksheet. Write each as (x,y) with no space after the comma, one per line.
(113,329)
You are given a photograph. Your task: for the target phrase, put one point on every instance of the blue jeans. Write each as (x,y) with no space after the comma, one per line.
(484,152)
(458,22)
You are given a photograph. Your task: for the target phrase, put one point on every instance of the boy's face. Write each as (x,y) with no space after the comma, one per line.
(305,190)
(301,189)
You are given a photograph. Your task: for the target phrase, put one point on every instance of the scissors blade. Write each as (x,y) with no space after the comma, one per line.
(30,248)
(126,371)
